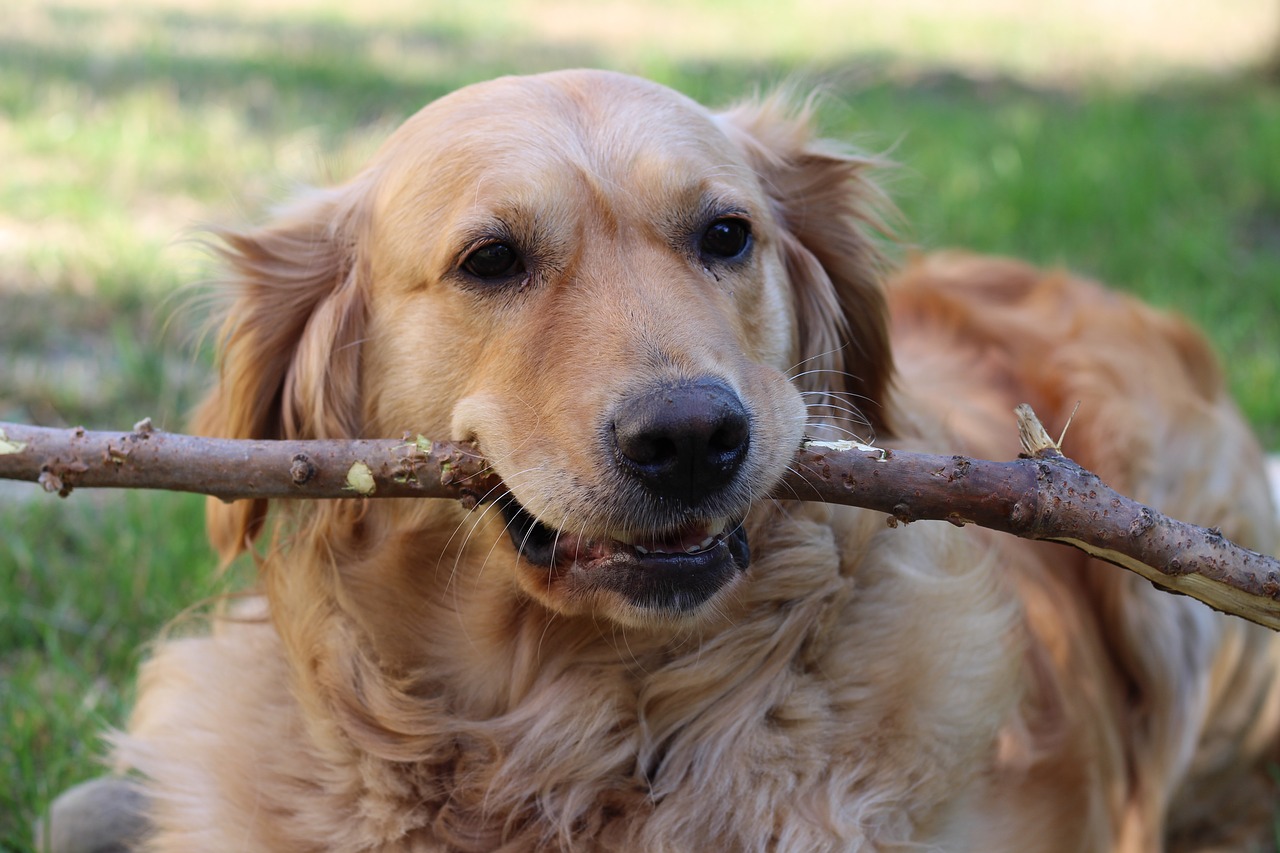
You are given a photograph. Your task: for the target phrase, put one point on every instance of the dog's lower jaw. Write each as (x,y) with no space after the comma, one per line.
(672,577)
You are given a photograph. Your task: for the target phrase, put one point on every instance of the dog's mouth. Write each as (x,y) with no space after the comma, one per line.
(673,571)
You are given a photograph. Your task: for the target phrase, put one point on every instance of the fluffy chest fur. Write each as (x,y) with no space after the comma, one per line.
(790,725)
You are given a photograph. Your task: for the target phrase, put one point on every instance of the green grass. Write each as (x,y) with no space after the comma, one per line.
(85,585)
(1171,194)
(1137,159)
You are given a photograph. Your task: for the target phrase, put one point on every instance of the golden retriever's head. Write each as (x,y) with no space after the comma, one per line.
(622,297)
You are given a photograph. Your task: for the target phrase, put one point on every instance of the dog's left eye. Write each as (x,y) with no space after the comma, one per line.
(726,238)
(494,260)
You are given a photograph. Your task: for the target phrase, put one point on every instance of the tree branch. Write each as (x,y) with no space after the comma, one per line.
(232,469)
(1041,495)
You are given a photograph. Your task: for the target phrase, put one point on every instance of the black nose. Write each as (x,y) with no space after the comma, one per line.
(682,441)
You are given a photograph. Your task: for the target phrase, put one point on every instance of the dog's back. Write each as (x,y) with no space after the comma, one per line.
(1182,702)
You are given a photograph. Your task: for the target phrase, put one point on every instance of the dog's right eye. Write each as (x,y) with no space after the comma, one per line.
(494,260)
(726,239)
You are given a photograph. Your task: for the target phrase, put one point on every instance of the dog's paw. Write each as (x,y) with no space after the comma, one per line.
(103,815)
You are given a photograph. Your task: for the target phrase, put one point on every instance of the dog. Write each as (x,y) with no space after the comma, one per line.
(637,309)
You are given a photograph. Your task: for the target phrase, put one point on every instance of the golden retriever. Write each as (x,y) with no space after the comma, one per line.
(637,308)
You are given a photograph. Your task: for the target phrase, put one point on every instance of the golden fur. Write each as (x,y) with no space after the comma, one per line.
(407,682)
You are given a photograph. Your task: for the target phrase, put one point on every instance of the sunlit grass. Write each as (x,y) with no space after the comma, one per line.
(1085,136)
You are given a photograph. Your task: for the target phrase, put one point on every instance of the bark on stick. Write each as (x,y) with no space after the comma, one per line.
(1041,495)
(231,469)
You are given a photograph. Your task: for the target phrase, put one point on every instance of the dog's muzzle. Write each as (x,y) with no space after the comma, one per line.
(677,454)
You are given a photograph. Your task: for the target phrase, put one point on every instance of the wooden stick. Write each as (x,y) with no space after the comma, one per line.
(1041,495)
(231,469)
(1044,495)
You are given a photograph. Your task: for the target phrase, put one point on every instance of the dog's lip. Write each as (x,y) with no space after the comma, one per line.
(547,546)
(676,569)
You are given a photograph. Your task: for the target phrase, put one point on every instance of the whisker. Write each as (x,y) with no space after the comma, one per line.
(834,406)
(484,563)
(830,352)
(489,505)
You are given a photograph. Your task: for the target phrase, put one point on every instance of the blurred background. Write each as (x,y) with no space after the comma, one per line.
(1137,141)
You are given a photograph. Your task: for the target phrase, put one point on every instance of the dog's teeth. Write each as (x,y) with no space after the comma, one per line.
(714,529)
(701,546)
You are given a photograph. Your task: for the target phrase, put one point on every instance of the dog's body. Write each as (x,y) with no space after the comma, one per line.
(637,309)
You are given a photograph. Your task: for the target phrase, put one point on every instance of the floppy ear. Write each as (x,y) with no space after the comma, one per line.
(827,207)
(290,357)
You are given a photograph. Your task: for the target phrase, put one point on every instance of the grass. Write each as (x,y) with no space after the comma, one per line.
(1143,157)
(72,628)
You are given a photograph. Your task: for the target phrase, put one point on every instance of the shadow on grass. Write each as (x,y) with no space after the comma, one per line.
(75,359)
(342,74)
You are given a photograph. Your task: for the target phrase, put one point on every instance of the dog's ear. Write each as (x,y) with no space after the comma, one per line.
(829,211)
(290,357)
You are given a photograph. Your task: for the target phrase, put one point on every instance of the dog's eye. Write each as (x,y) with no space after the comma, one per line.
(726,238)
(494,260)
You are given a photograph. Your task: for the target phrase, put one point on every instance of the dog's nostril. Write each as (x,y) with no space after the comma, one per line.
(647,449)
(731,436)
(683,441)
